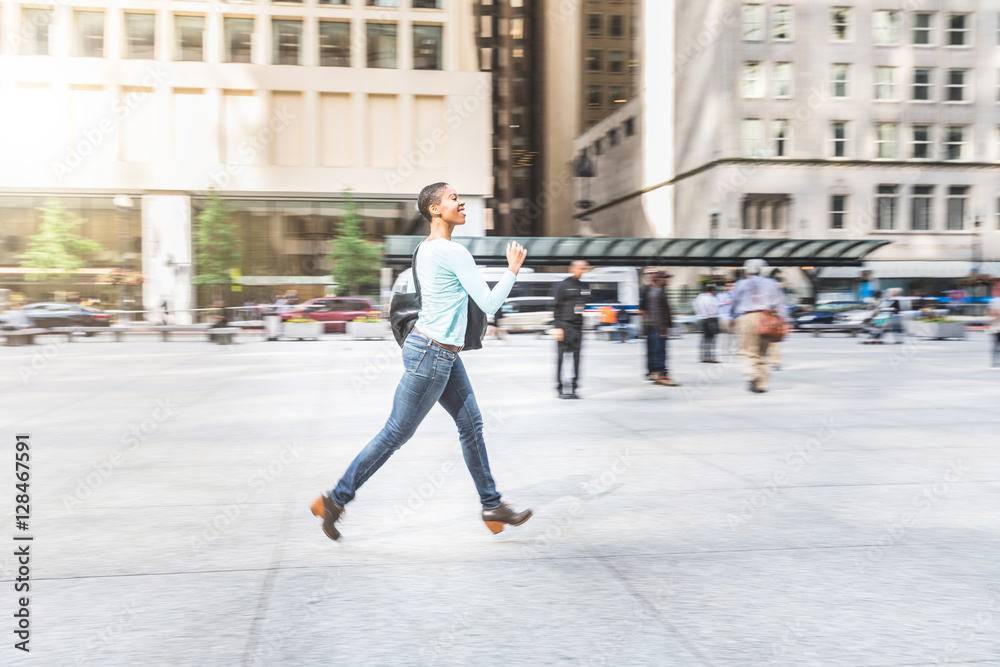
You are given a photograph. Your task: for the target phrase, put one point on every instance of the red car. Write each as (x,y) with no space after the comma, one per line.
(334,311)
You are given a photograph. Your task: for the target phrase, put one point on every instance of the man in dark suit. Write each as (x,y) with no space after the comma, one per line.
(570,301)
(655,309)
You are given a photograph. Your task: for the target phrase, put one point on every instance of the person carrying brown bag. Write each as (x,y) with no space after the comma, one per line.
(759,307)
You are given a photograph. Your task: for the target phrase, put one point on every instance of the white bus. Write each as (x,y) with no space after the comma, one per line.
(616,285)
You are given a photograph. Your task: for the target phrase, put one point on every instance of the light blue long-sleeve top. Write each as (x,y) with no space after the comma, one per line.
(448,277)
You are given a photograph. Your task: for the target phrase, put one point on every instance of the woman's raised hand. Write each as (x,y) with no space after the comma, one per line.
(515,256)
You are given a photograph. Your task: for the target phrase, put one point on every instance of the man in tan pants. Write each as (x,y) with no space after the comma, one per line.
(752,296)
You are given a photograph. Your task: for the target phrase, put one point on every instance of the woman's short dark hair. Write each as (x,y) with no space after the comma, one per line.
(430,196)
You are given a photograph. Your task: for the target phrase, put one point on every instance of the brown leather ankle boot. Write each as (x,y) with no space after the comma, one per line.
(503,513)
(330,512)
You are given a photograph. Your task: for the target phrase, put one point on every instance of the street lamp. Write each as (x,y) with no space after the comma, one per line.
(124,205)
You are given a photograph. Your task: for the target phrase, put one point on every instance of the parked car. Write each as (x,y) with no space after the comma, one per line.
(49,315)
(834,311)
(527,313)
(334,311)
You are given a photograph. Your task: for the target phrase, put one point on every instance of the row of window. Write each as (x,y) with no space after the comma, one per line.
(613,26)
(924,141)
(770,212)
(924,28)
(594,61)
(955,83)
(287,39)
(885,215)
(616,96)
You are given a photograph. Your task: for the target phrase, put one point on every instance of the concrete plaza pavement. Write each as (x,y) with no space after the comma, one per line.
(849,516)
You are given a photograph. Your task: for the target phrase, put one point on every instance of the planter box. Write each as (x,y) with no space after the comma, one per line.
(302,330)
(359,330)
(937,330)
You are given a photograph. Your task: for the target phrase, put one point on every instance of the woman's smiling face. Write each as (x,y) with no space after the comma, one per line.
(451,208)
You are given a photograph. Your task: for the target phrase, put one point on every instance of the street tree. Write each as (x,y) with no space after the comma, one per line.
(356,262)
(217,247)
(56,247)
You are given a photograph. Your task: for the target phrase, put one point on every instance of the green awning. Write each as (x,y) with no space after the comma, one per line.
(555,251)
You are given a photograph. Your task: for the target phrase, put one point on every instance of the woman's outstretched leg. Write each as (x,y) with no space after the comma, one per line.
(459,400)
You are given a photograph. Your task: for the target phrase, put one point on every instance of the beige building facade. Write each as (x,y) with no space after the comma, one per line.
(278,106)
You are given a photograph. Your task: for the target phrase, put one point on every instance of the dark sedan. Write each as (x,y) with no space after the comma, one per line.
(52,315)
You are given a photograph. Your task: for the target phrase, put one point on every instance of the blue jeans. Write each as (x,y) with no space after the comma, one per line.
(656,351)
(431,375)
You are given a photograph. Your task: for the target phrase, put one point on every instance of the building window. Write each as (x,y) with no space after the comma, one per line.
(886,204)
(34,31)
(594,25)
(753,83)
(923,23)
(920,207)
(334,44)
(840,24)
(954,142)
(140,36)
(629,127)
(189,32)
(382,3)
(381,48)
(427,47)
(781,23)
(593,60)
(753,23)
(593,96)
(885,26)
(838,138)
(420,4)
(838,211)
(955,85)
(752,138)
(342,2)
(287,42)
(616,96)
(958,33)
(957,200)
(885,141)
(921,142)
(922,84)
(89,36)
(239,40)
(616,62)
(885,83)
(770,211)
(616,26)
(781,138)
(838,80)
(782,79)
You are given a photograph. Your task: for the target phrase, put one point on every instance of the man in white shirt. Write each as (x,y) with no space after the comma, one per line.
(754,296)
(706,309)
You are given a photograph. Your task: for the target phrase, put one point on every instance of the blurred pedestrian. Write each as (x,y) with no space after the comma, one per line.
(16,318)
(994,325)
(753,298)
(220,318)
(726,326)
(433,372)
(706,309)
(623,323)
(654,306)
(571,297)
(892,306)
